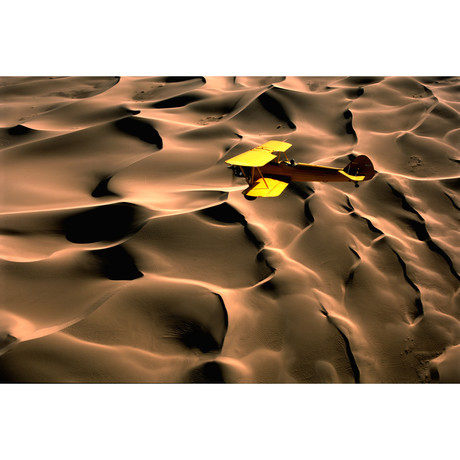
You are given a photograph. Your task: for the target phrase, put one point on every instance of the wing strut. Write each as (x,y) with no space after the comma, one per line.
(262,176)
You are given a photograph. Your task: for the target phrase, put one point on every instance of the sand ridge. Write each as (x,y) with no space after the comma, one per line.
(129,254)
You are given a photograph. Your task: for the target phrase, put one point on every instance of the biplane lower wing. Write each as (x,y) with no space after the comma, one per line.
(259,156)
(266,187)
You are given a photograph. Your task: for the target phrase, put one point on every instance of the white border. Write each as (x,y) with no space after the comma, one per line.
(357,37)
(229,421)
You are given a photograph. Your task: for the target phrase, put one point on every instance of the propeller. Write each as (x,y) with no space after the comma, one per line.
(236,174)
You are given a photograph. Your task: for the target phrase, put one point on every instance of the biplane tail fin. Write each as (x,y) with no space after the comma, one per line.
(360,166)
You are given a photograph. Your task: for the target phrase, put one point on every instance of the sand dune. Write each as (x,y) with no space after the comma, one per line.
(129,254)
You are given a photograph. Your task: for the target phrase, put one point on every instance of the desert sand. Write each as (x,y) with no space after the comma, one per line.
(129,254)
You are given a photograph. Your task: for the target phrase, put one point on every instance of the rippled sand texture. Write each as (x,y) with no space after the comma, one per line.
(129,254)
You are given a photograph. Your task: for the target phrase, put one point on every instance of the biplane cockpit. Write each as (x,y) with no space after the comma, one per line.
(268,170)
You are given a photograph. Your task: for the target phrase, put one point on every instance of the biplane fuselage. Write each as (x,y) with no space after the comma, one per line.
(303,172)
(267,175)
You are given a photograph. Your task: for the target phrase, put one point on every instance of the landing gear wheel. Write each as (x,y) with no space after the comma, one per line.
(356,184)
(250,198)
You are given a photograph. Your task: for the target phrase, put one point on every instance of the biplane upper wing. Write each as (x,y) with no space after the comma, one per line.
(266,187)
(275,146)
(259,156)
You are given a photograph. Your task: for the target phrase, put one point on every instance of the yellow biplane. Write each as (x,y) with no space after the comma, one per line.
(267,174)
